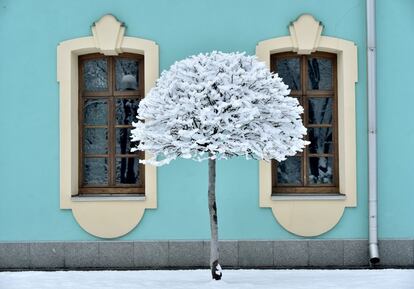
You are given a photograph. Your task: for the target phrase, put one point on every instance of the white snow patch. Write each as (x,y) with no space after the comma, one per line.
(219,270)
(200,279)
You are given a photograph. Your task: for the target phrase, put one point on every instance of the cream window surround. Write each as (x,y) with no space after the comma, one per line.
(102,217)
(315,215)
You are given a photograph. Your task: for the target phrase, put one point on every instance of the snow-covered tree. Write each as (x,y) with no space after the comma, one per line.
(217,106)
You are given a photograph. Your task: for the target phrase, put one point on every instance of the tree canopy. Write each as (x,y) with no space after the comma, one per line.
(219,105)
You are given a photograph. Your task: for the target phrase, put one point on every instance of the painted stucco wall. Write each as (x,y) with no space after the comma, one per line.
(395,44)
(29,122)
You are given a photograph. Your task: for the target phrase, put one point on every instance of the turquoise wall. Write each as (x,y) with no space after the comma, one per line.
(29,123)
(395,44)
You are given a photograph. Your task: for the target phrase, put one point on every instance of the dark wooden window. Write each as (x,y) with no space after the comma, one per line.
(110,89)
(312,79)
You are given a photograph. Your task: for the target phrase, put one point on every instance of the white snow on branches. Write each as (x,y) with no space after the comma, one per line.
(219,105)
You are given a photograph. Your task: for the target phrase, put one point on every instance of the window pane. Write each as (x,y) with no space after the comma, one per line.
(95,112)
(289,70)
(290,171)
(319,73)
(95,141)
(95,171)
(123,141)
(126,110)
(126,71)
(320,110)
(127,170)
(321,140)
(95,75)
(320,170)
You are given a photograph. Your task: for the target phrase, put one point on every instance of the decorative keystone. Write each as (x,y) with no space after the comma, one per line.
(305,34)
(108,34)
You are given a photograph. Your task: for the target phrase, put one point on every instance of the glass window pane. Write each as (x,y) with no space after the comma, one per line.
(289,70)
(127,170)
(320,170)
(126,110)
(319,73)
(95,75)
(95,141)
(95,112)
(123,141)
(290,171)
(126,73)
(321,140)
(95,171)
(320,110)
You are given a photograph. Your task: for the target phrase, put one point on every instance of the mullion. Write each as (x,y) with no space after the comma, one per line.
(132,96)
(320,93)
(304,78)
(321,185)
(319,125)
(95,126)
(127,94)
(89,95)
(295,93)
(100,94)
(111,130)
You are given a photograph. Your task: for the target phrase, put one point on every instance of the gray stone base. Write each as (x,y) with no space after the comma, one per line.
(195,254)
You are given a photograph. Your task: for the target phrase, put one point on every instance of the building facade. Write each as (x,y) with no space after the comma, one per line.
(67,201)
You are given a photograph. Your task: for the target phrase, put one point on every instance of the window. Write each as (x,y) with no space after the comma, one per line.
(312,80)
(103,215)
(314,213)
(110,88)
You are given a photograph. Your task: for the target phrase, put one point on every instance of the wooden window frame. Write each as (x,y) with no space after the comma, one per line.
(303,94)
(111,94)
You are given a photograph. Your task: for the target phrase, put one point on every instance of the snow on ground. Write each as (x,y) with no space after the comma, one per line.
(199,279)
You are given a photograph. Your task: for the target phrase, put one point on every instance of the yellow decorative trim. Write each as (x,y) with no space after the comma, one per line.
(315,217)
(305,34)
(108,34)
(108,219)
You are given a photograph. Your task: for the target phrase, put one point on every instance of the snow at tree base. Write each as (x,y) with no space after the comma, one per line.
(226,104)
(197,279)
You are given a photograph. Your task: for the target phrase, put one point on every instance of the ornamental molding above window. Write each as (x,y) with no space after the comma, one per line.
(312,215)
(102,216)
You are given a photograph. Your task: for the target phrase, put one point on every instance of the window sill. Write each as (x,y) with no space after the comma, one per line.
(107,197)
(308,197)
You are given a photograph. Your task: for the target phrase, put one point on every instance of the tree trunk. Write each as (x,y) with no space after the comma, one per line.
(214,246)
